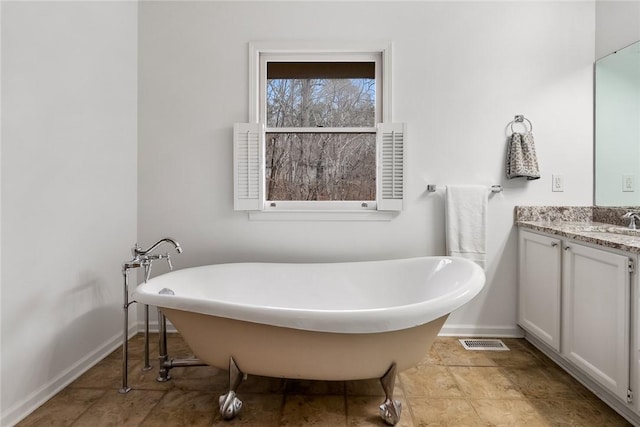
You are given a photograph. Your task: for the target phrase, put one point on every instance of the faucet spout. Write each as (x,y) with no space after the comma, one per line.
(144,258)
(633,217)
(137,251)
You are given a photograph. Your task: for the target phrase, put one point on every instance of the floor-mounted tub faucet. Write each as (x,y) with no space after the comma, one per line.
(141,258)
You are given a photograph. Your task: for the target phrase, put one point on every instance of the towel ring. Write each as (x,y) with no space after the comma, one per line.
(521,119)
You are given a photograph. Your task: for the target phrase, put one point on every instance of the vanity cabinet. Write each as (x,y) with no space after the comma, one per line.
(576,299)
(595,314)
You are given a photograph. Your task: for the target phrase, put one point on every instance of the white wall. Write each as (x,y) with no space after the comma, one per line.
(69,153)
(617,25)
(461,73)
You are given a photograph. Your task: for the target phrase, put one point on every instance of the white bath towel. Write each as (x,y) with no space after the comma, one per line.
(466,220)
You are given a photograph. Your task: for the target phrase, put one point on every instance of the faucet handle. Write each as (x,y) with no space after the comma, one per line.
(147,270)
(169,261)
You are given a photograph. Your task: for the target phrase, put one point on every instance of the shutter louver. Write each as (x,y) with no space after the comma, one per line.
(248,168)
(391,138)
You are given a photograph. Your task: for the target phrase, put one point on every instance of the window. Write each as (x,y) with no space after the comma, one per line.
(318,140)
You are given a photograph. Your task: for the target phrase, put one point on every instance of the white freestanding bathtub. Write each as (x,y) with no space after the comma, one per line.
(336,321)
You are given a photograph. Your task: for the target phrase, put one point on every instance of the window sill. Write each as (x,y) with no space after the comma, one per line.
(370,215)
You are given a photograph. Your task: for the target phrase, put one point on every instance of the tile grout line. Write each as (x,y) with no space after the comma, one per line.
(346,407)
(406,399)
(467,398)
(75,420)
(164,394)
(283,402)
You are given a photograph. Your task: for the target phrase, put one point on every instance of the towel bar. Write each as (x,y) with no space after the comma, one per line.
(431,188)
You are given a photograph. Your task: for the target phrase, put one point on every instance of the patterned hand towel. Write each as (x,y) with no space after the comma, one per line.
(521,157)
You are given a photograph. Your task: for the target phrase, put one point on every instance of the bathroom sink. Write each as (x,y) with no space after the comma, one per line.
(624,230)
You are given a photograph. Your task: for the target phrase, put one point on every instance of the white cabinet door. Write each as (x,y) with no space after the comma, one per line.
(540,286)
(596,293)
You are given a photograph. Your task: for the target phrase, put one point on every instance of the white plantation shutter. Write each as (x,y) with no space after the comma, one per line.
(248,168)
(391,148)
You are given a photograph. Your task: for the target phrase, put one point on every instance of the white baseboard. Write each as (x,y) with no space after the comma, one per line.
(153,327)
(481,331)
(33,401)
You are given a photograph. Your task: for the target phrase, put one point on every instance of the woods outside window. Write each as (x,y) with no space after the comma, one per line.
(320,129)
(319,133)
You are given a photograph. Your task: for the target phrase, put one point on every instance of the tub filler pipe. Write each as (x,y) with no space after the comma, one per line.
(163,357)
(125,334)
(143,258)
(165,363)
(147,366)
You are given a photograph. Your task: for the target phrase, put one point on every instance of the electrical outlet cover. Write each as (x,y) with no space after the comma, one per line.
(557,183)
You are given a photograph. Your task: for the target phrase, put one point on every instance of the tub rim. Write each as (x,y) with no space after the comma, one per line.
(370,320)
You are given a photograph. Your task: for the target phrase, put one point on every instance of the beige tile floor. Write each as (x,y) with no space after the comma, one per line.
(450,387)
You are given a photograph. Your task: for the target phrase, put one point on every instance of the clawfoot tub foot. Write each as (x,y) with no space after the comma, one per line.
(390,409)
(230,405)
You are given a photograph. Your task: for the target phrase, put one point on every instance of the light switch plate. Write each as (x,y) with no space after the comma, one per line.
(628,183)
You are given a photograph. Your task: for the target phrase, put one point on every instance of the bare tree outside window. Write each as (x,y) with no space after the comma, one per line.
(320,165)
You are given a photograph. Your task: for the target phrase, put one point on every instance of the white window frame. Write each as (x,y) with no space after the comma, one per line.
(259,52)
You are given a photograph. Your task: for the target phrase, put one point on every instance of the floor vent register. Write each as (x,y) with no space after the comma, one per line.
(483,344)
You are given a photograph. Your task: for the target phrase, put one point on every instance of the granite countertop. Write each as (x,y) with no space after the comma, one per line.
(598,233)
(596,225)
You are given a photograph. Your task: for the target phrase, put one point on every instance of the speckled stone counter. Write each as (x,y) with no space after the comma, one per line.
(601,226)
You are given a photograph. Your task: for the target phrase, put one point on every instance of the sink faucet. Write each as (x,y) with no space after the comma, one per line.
(632,216)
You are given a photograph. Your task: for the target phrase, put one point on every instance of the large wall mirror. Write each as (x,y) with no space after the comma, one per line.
(617,128)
